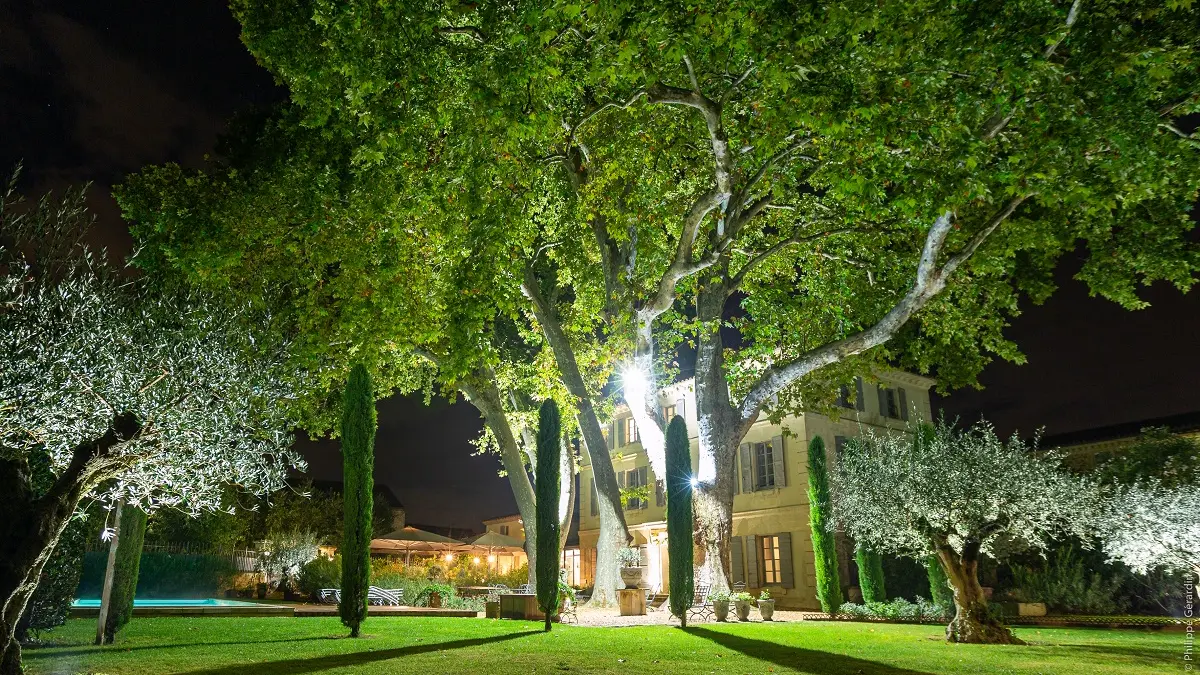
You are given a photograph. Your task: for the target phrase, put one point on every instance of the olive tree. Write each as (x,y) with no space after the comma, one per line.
(150,395)
(960,494)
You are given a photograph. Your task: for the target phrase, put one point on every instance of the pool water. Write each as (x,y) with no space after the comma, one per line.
(170,602)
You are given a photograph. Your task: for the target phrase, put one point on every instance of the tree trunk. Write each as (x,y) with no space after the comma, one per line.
(32,525)
(972,622)
(614,534)
(481,389)
(720,432)
(110,567)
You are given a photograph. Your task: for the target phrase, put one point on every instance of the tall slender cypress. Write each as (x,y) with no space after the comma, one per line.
(549,449)
(679,519)
(126,568)
(829,583)
(358,458)
(870,574)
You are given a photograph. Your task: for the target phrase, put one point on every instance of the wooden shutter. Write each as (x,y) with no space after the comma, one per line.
(735,554)
(659,496)
(644,479)
(595,501)
(883,406)
(621,432)
(903,404)
(747,468)
(859,401)
(752,571)
(787,577)
(612,436)
(777,457)
(679,408)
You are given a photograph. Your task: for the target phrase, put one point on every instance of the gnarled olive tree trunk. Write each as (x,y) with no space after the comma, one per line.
(32,525)
(972,622)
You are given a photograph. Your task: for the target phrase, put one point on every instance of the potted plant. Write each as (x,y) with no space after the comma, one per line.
(741,605)
(766,606)
(630,560)
(720,603)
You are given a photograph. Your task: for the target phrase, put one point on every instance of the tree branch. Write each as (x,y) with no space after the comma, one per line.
(929,281)
(463,30)
(758,258)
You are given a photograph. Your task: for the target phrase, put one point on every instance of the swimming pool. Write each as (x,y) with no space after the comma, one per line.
(170,602)
(90,607)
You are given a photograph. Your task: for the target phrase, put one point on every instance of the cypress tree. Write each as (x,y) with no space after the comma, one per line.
(679,519)
(125,570)
(546,487)
(358,457)
(939,585)
(870,575)
(829,583)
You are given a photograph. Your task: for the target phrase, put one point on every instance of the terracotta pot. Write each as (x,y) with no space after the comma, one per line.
(632,576)
(742,607)
(721,609)
(766,608)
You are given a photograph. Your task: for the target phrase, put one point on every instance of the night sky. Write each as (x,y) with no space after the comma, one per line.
(90,91)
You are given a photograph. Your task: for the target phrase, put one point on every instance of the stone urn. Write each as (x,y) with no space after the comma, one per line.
(721,609)
(742,607)
(632,576)
(766,608)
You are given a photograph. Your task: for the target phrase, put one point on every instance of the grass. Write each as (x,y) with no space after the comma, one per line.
(277,646)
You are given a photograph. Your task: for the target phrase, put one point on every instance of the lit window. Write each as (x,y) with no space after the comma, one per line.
(770,560)
(764,466)
(631,434)
(504,530)
(668,413)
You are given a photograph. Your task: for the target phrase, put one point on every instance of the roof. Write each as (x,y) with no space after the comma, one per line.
(1182,423)
(502,519)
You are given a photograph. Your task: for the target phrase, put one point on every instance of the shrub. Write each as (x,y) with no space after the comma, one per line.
(898,609)
(56,588)
(358,453)
(130,536)
(1066,585)
(547,483)
(870,575)
(318,573)
(829,584)
(679,519)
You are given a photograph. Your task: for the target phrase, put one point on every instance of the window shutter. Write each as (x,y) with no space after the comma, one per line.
(621,432)
(903,404)
(679,409)
(659,496)
(735,553)
(786,576)
(859,401)
(595,501)
(752,571)
(883,406)
(612,436)
(777,457)
(644,479)
(747,468)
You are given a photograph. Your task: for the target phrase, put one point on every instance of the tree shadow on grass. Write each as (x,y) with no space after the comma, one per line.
(316,664)
(810,661)
(44,651)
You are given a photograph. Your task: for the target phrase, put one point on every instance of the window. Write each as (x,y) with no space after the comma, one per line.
(893,403)
(668,413)
(770,560)
(635,479)
(764,466)
(504,530)
(570,566)
(843,399)
(839,444)
(631,434)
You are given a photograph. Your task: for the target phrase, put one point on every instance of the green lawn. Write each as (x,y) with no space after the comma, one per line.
(272,646)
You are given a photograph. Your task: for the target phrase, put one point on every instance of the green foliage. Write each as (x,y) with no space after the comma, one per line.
(939,584)
(870,575)
(1066,584)
(318,573)
(163,575)
(825,563)
(546,485)
(131,534)
(679,518)
(1159,455)
(50,603)
(358,455)
(898,609)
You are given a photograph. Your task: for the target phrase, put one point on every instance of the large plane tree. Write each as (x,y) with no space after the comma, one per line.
(826,178)
(142,393)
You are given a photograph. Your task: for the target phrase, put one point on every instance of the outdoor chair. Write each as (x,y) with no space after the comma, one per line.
(329,596)
(496,591)
(525,589)
(701,607)
(568,613)
(651,593)
(381,596)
